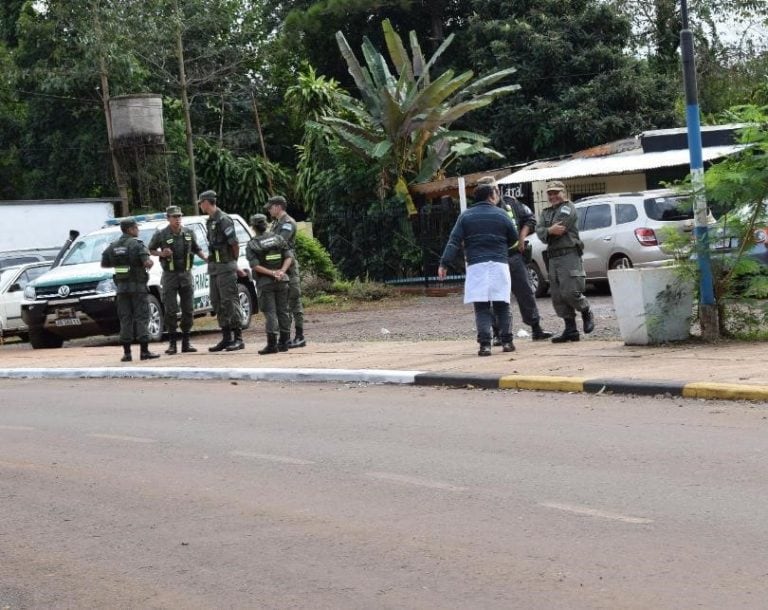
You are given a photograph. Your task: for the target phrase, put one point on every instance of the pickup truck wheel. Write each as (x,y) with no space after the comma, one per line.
(245,304)
(539,284)
(155,319)
(39,338)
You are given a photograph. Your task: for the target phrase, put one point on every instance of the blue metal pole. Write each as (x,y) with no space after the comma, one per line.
(706,288)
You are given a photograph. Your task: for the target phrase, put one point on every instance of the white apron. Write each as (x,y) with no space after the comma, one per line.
(488,281)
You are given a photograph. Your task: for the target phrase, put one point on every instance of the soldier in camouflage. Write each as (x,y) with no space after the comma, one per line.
(558,228)
(286,227)
(270,258)
(222,269)
(176,246)
(130,259)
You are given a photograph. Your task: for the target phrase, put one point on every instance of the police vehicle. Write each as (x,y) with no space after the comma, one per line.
(76,298)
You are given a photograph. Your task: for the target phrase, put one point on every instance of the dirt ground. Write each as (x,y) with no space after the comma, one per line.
(421,318)
(407,318)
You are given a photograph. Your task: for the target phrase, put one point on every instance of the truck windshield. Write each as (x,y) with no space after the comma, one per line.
(89,248)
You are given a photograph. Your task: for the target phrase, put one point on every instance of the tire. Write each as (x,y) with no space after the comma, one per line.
(155,319)
(620,262)
(246,305)
(39,338)
(539,284)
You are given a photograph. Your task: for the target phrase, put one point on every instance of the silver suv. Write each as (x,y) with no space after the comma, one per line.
(620,230)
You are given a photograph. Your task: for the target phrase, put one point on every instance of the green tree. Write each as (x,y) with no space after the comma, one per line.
(579,87)
(403,122)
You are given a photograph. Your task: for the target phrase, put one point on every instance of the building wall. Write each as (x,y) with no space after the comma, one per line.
(579,188)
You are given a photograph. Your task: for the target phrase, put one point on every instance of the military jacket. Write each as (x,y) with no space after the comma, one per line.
(183,244)
(566,214)
(522,216)
(221,235)
(127,255)
(285,227)
(270,251)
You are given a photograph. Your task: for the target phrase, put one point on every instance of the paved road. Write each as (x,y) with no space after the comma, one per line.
(128,494)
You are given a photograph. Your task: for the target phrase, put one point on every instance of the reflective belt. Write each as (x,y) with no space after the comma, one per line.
(218,259)
(122,269)
(273,257)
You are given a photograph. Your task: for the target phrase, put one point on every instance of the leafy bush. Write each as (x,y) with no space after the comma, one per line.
(314,259)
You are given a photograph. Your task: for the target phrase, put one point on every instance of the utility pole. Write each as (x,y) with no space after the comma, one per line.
(707,308)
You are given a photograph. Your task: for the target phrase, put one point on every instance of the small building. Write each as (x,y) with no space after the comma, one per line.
(644,162)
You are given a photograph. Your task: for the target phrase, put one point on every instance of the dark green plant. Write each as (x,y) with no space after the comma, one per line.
(314,259)
(243,184)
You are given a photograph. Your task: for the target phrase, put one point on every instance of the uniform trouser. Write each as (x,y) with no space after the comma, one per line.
(567,282)
(273,303)
(295,307)
(178,289)
(485,313)
(225,300)
(133,311)
(521,289)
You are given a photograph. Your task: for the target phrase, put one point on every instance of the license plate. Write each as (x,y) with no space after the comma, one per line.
(67,322)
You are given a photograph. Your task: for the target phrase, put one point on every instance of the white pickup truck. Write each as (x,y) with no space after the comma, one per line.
(77,297)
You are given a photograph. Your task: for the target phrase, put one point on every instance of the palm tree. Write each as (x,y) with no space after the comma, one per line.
(403,122)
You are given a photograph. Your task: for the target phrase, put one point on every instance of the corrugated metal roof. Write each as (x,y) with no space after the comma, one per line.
(622,163)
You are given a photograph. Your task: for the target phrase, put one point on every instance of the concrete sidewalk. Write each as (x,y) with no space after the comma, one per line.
(725,370)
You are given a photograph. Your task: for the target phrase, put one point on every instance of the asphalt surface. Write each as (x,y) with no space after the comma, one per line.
(221,494)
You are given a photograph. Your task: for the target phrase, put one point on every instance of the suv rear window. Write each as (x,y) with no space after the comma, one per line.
(669,208)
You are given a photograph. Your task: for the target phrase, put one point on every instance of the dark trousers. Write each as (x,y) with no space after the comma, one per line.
(273,303)
(485,313)
(225,299)
(133,311)
(522,291)
(178,290)
(294,296)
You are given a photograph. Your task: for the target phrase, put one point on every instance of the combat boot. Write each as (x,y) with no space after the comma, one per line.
(485,349)
(172,345)
(588,320)
(271,346)
(226,339)
(145,354)
(237,342)
(507,346)
(298,340)
(284,342)
(538,333)
(185,345)
(126,353)
(571,333)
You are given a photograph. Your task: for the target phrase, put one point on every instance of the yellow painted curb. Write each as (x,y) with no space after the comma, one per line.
(541,382)
(726,391)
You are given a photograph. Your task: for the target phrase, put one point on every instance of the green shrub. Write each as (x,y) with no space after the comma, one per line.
(314,259)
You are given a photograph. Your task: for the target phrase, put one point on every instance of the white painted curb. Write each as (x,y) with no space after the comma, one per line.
(342,375)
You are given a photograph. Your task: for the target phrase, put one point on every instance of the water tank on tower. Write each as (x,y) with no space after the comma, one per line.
(138,138)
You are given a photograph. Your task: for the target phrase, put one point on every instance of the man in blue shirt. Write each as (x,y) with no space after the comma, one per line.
(485,232)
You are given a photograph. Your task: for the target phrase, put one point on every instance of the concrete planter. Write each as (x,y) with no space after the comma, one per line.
(653,305)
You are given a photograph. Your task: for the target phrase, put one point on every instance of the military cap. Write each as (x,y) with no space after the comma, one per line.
(207,195)
(487,180)
(258,219)
(555,185)
(276,200)
(173,210)
(127,223)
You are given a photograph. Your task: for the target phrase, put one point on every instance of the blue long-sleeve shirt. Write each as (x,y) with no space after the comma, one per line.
(485,232)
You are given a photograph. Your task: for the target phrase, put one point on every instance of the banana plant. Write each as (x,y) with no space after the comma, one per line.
(403,118)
